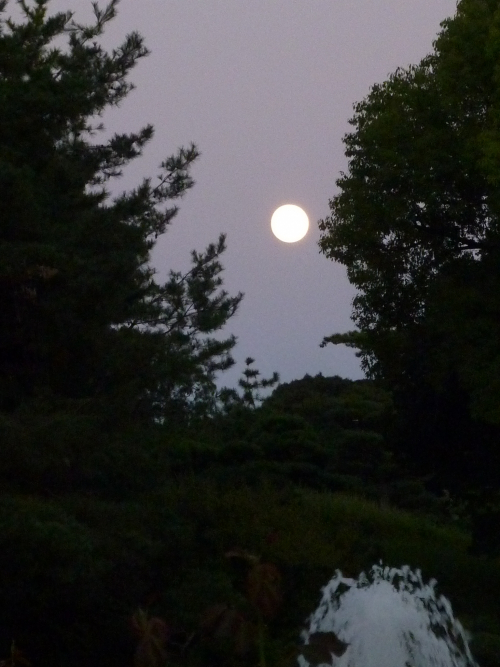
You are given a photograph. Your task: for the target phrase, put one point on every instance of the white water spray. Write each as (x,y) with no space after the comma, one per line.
(389,618)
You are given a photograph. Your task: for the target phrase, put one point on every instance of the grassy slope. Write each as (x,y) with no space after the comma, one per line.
(309,535)
(96,561)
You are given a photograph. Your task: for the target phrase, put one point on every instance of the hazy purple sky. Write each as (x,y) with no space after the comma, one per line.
(265,89)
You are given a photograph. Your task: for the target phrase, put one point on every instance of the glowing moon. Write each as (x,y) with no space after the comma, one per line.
(289,223)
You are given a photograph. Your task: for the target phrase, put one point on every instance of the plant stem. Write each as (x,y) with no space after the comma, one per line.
(261,640)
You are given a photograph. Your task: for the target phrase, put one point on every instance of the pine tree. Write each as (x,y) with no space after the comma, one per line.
(82,318)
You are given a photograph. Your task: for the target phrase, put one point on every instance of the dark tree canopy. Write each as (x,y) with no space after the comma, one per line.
(416,221)
(416,216)
(82,317)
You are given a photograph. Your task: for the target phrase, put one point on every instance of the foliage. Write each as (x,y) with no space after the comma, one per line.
(16,658)
(417,196)
(416,223)
(153,634)
(343,429)
(323,433)
(247,630)
(82,318)
(126,476)
(233,635)
(251,385)
(330,403)
(74,569)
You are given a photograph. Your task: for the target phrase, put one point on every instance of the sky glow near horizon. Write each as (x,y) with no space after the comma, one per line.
(265,90)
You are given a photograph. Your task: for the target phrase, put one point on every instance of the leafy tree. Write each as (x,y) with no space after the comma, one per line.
(416,222)
(251,385)
(420,191)
(330,404)
(342,427)
(82,318)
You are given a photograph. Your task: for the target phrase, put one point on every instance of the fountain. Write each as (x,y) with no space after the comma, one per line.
(388,618)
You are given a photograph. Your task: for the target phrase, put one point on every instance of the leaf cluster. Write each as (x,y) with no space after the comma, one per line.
(416,222)
(83,317)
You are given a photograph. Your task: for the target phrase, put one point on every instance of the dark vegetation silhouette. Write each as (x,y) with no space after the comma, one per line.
(416,222)
(147,516)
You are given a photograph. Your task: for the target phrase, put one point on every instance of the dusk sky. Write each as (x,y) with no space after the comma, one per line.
(265,89)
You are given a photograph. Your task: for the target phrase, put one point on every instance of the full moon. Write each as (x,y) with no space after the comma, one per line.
(289,223)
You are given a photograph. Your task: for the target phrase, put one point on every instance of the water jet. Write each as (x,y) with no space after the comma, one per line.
(386,618)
